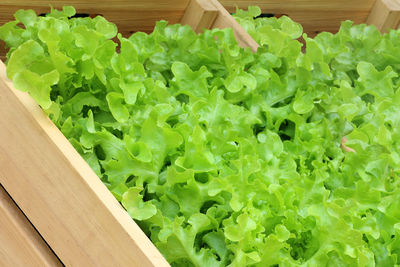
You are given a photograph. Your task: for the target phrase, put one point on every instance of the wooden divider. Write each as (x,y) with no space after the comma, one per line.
(225,20)
(200,14)
(210,14)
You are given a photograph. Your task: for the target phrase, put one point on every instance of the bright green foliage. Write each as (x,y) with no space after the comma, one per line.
(226,157)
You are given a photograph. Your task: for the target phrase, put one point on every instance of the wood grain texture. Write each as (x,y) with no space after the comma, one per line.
(314,15)
(208,14)
(199,14)
(225,20)
(68,204)
(20,244)
(385,14)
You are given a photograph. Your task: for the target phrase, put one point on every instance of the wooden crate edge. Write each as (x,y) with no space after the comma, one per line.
(20,244)
(59,193)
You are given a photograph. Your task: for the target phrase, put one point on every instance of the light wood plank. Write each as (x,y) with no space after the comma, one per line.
(20,244)
(300,5)
(326,20)
(200,14)
(385,15)
(225,20)
(68,204)
(314,15)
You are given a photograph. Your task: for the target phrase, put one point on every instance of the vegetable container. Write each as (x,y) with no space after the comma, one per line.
(62,213)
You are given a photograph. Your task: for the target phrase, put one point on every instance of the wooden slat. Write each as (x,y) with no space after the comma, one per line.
(225,20)
(314,15)
(199,14)
(385,15)
(20,244)
(63,198)
(314,22)
(354,5)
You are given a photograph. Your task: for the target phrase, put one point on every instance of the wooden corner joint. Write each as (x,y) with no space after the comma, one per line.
(209,14)
(385,14)
(199,14)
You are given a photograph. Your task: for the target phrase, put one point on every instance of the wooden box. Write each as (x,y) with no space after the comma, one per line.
(80,220)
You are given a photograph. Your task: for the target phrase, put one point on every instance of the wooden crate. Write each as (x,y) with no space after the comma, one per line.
(55,188)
